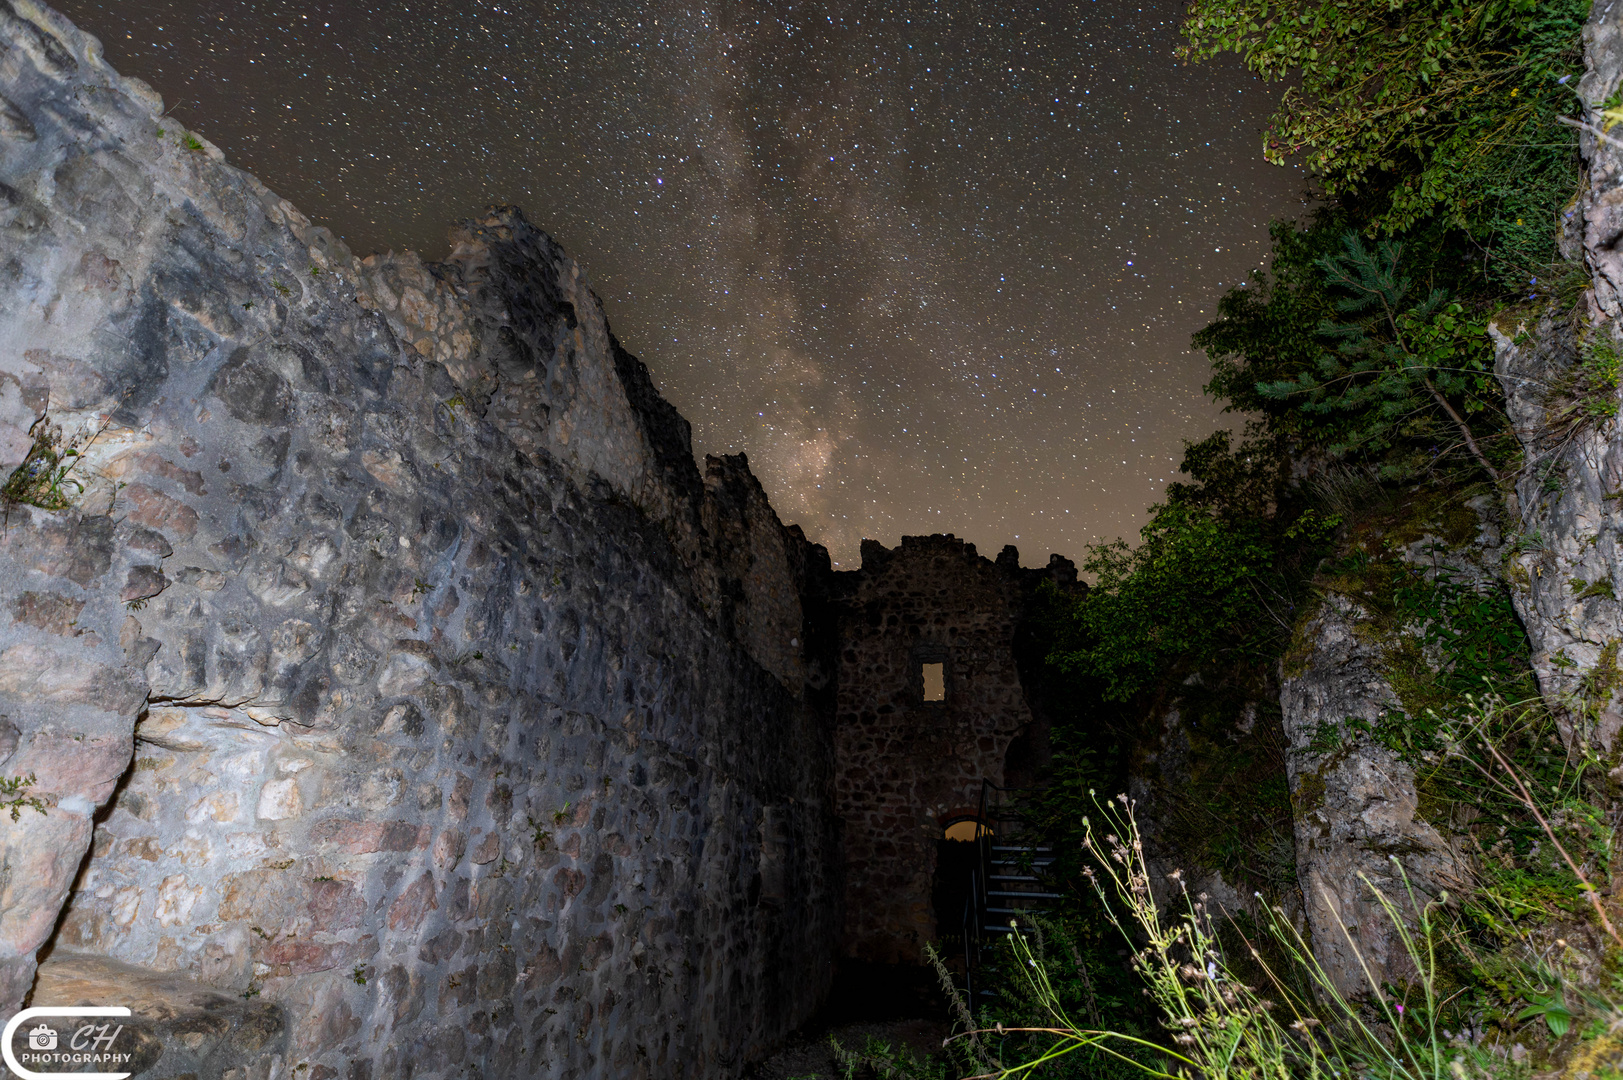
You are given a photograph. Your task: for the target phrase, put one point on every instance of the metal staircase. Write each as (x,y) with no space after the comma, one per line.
(1010,883)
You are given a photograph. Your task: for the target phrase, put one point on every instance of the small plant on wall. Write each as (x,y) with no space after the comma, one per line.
(14,795)
(45,478)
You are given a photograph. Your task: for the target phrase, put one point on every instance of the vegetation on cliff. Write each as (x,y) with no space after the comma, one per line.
(1436,112)
(1376,451)
(1374,467)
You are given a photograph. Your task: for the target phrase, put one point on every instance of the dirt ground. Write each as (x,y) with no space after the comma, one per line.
(811,1058)
(896,1004)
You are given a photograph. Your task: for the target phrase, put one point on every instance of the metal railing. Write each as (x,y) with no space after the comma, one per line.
(989,909)
(975,913)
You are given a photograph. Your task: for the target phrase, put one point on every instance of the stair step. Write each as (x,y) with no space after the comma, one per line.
(1012,877)
(1032,895)
(1016,911)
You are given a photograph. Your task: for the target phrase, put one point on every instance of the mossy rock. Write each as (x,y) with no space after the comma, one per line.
(1309,794)
(1294,663)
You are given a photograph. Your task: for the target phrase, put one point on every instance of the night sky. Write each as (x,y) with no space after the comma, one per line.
(933,266)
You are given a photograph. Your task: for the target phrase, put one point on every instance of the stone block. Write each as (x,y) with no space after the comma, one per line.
(413,905)
(279,800)
(161,513)
(47,611)
(179,1028)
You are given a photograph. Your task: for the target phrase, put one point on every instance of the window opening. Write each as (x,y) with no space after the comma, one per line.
(935,682)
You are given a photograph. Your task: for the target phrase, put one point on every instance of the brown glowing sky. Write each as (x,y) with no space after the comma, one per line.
(934,266)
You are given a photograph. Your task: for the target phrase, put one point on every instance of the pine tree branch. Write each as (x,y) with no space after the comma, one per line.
(1465,430)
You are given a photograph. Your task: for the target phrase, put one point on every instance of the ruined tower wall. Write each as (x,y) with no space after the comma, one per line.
(393,661)
(903,763)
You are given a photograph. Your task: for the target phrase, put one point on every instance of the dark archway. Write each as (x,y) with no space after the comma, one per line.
(957,856)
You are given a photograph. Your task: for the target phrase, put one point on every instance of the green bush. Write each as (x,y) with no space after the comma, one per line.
(1398,359)
(1432,108)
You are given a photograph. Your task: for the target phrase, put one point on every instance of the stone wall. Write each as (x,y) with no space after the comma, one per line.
(384,654)
(905,765)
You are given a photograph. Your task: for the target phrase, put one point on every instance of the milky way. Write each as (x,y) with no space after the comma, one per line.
(933,266)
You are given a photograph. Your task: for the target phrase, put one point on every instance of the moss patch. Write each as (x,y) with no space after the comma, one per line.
(1309,795)
(1603,587)
(1412,679)
(1439,512)
(1596,686)
(1300,649)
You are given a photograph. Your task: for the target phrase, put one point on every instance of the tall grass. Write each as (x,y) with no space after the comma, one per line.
(1292,1022)
(1220,1026)
(1234,995)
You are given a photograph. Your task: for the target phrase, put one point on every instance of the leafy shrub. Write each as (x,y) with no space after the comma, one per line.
(1396,357)
(1365,356)
(1172,597)
(1440,108)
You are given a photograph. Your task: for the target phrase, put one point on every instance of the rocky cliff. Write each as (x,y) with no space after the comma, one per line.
(1360,835)
(371,649)
(1553,540)
(1567,566)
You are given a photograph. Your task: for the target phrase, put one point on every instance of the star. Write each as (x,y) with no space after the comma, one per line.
(933,266)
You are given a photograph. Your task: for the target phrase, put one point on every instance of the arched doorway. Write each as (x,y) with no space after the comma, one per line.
(957,856)
(965,828)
